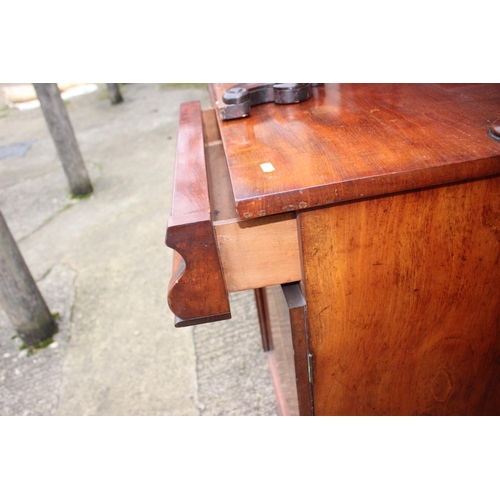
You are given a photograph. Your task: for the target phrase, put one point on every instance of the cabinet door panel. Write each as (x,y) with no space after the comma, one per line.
(288,343)
(403,297)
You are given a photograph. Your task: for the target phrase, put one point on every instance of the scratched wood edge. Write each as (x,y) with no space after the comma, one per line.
(196,291)
(366,187)
(358,188)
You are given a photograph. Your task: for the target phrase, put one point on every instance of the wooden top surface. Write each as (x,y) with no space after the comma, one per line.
(351,141)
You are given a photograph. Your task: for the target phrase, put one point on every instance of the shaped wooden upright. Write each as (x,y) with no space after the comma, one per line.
(197,292)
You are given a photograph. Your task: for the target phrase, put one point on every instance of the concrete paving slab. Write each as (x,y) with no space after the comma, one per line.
(15,150)
(101,263)
(232,369)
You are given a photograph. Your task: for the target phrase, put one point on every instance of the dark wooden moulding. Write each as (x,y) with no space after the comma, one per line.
(196,292)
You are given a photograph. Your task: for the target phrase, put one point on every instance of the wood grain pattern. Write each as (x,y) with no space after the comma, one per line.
(197,292)
(299,325)
(404,302)
(287,313)
(221,192)
(281,359)
(255,253)
(264,321)
(353,141)
(259,253)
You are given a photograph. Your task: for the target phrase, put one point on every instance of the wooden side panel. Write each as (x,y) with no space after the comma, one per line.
(300,338)
(197,292)
(403,296)
(288,358)
(259,253)
(264,320)
(281,361)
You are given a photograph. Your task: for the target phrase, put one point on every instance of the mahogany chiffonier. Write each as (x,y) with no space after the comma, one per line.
(367,220)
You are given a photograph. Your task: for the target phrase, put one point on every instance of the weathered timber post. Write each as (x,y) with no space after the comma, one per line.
(115,95)
(19,295)
(62,133)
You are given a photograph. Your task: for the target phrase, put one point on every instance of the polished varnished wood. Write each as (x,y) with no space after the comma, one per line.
(283,320)
(384,202)
(353,141)
(404,304)
(297,308)
(216,253)
(264,319)
(255,253)
(197,292)
(223,206)
(281,359)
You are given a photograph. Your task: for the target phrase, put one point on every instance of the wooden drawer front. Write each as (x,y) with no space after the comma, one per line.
(196,291)
(216,253)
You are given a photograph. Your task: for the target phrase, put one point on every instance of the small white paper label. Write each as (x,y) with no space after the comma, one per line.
(267,167)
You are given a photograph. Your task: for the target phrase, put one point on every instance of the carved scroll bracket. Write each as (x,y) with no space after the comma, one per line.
(197,292)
